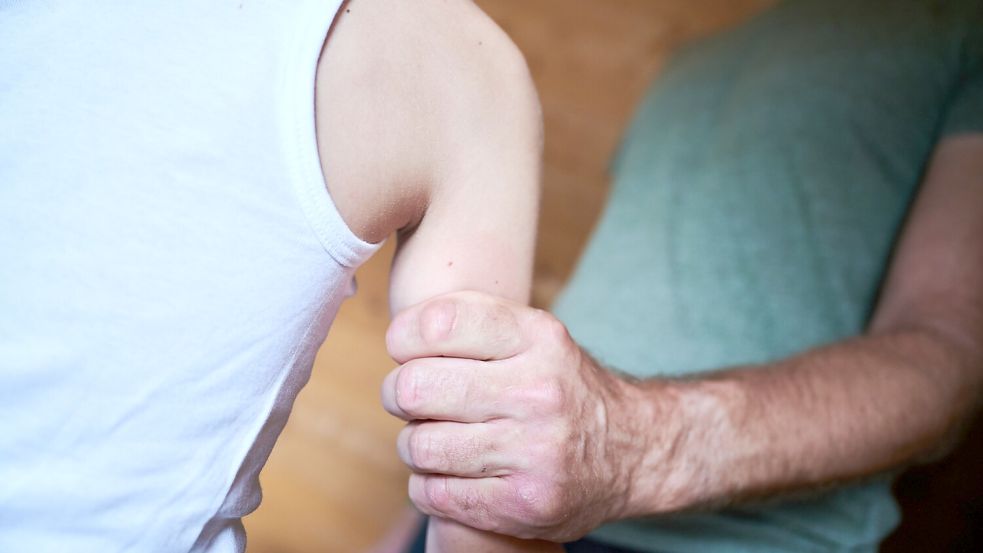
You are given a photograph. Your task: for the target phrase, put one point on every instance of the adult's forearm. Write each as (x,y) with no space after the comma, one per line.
(831,415)
(562,445)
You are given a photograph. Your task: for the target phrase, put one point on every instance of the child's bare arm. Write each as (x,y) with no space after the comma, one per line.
(429,124)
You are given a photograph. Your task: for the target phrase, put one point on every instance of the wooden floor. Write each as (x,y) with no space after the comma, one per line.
(333,483)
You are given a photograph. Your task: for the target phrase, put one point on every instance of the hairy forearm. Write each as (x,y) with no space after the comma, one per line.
(828,416)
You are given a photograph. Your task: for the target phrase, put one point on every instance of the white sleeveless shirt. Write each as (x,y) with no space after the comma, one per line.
(170,262)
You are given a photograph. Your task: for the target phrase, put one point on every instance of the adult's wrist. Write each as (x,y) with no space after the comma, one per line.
(652,407)
(683,428)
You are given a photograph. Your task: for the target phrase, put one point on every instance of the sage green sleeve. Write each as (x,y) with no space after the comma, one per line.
(965,110)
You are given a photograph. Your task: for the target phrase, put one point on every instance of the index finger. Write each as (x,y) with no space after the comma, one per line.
(469,325)
(448,389)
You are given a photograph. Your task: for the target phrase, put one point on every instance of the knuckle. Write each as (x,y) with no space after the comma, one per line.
(546,396)
(556,346)
(419,497)
(437,320)
(422,450)
(410,388)
(535,504)
(552,329)
(437,494)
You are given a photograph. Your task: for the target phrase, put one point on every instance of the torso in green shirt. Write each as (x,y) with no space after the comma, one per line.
(756,202)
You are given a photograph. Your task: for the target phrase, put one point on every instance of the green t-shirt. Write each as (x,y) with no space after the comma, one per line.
(756,202)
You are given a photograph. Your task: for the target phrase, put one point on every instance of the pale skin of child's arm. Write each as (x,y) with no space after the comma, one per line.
(428,125)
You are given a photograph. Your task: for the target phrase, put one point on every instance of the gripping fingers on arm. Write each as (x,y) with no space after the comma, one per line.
(453,449)
(470,325)
(444,388)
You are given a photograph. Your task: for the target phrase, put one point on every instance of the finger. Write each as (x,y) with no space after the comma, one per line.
(449,389)
(454,449)
(463,324)
(470,501)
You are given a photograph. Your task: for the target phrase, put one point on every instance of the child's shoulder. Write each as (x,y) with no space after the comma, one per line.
(403,90)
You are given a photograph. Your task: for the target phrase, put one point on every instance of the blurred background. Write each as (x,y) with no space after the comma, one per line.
(334,484)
